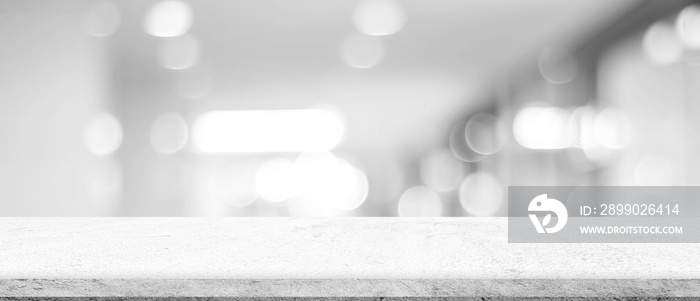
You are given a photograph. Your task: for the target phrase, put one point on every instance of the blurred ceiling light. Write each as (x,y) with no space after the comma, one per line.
(179,53)
(661,44)
(688,26)
(557,65)
(458,144)
(169,133)
(196,82)
(103,134)
(267,131)
(276,180)
(542,127)
(168,18)
(379,17)
(361,51)
(102,19)
(481,194)
(420,201)
(441,171)
(484,134)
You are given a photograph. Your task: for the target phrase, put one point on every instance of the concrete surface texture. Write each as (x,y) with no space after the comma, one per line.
(335,248)
(332,288)
(324,257)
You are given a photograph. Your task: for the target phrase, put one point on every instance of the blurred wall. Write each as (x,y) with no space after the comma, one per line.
(52,82)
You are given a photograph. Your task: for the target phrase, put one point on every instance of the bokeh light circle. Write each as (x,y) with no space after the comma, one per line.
(170,18)
(179,53)
(557,65)
(236,185)
(484,134)
(276,180)
(379,17)
(661,44)
(362,51)
(688,26)
(458,144)
(104,183)
(348,188)
(481,194)
(612,128)
(169,133)
(441,170)
(543,127)
(103,134)
(420,201)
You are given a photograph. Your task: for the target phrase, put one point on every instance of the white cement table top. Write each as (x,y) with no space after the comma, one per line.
(269,250)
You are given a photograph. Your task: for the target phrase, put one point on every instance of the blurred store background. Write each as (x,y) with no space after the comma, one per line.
(339,108)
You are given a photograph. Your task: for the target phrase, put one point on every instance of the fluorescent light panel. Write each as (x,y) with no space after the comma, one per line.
(258,131)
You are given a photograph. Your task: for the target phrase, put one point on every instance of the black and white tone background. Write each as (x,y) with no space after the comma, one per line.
(318,141)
